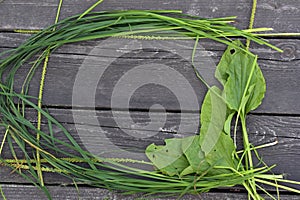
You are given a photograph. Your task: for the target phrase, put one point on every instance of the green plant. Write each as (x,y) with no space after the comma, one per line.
(220,168)
(213,152)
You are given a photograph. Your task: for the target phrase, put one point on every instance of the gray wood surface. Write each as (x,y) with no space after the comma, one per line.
(282,15)
(278,118)
(262,130)
(62,192)
(281,71)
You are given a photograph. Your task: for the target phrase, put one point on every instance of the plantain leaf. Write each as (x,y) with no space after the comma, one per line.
(169,159)
(243,90)
(233,71)
(194,155)
(178,156)
(227,125)
(216,144)
(213,116)
(222,155)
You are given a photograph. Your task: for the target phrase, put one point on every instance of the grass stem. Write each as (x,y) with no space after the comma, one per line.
(40,98)
(251,23)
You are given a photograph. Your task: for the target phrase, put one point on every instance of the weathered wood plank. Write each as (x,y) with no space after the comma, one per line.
(62,192)
(134,137)
(281,15)
(291,47)
(281,72)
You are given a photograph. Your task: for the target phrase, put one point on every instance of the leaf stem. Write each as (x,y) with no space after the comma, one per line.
(260,146)
(2,193)
(3,141)
(90,9)
(248,156)
(277,185)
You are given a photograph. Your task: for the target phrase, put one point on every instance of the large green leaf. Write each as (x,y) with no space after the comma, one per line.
(215,143)
(222,155)
(169,159)
(213,116)
(195,156)
(235,69)
(243,90)
(179,156)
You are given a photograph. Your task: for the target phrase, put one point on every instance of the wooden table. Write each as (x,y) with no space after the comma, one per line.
(278,118)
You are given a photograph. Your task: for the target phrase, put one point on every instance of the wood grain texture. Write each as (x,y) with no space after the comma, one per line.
(276,119)
(62,192)
(135,136)
(281,15)
(281,71)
